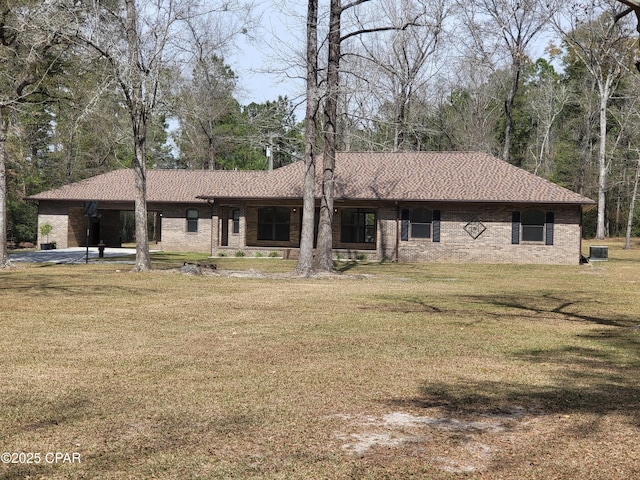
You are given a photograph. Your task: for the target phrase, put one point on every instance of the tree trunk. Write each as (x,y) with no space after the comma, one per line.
(604,90)
(143,260)
(324,260)
(138,113)
(508,110)
(4,257)
(632,207)
(401,123)
(305,259)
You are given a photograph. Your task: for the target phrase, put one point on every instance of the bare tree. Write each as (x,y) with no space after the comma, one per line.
(634,7)
(599,42)
(547,99)
(516,24)
(305,266)
(324,257)
(467,110)
(632,205)
(140,41)
(335,39)
(400,63)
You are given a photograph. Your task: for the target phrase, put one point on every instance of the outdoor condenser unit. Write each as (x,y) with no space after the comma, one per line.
(598,253)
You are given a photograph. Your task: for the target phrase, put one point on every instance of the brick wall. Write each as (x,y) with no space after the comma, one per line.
(60,223)
(456,245)
(174,229)
(494,244)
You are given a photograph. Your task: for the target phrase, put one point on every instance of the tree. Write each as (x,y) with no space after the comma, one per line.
(634,6)
(271,127)
(393,68)
(140,42)
(335,39)
(28,55)
(305,265)
(324,256)
(516,23)
(632,204)
(202,105)
(546,98)
(599,42)
(467,110)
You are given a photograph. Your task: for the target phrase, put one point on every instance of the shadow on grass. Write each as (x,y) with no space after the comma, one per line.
(168,260)
(597,380)
(553,305)
(511,307)
(345,266)
(38,284)
(43,418)
(598,377)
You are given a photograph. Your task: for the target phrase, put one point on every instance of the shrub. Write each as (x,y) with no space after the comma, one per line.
(45,230)
(239,253)
(274,254)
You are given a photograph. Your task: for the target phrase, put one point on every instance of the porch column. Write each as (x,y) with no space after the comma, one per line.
(215,229)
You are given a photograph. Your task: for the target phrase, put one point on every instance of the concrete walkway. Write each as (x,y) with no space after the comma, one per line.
(70,255)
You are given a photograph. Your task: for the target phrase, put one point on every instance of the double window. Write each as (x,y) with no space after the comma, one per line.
(274,224)
(358,225)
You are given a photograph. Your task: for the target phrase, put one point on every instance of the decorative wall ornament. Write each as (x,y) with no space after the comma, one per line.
(474,228)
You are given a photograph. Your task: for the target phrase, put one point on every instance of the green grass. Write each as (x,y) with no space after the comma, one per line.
(386,371)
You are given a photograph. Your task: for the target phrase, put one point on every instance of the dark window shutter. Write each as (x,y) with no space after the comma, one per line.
(515,228)
(436,226)
(549,220)
(404,229)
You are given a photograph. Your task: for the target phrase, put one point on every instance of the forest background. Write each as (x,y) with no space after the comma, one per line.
(548,86)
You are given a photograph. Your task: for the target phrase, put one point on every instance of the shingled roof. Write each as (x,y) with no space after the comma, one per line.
(419,176)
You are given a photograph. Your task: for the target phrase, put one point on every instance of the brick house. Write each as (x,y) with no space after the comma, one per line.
(409,207)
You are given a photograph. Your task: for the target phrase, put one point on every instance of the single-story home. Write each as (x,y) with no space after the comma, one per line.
(403,206)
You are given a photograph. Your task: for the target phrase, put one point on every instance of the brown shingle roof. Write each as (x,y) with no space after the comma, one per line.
(429,176)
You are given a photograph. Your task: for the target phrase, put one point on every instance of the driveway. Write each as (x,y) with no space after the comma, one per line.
(70,255)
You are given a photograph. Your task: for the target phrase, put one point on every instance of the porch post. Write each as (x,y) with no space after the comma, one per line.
(214,229)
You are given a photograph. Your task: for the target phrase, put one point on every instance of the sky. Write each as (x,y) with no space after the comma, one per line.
(260,62)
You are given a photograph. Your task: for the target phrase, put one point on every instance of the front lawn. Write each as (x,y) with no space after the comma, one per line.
(386,371)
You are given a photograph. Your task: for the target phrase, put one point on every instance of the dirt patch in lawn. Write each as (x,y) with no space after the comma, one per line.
(453,445)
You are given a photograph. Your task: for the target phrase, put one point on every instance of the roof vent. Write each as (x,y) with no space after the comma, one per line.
(598,253)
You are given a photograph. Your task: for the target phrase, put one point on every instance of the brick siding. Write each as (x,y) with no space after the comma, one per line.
(456,245)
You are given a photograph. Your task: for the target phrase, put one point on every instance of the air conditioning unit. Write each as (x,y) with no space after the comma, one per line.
(598,253)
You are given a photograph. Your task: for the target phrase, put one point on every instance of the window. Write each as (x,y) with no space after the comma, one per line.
(420,223)
(192,220)
(421,219)
(235,217)
(358,226)
(532,226)
(273,224)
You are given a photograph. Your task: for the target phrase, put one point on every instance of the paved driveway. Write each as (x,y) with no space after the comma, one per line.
(70,255)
